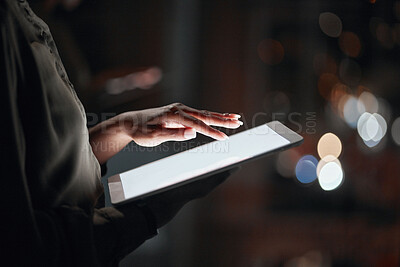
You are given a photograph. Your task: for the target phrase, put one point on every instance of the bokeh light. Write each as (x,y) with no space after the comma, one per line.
(373,25)
(396,131)
(145,79)
(338,93)
(276,102)
(350,44)
(352,110)
(270,51)
(286,163)
(325,84)
(384,109)
(326,160)
(368,102)
(306,169)
(329,145)
(330,24)
(384,35)
(331,176)
(371,128)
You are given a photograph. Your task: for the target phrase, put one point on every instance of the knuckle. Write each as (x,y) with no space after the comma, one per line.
(153,134)
(175,107)
(206,112)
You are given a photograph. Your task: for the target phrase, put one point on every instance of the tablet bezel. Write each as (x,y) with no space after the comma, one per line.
(116,191)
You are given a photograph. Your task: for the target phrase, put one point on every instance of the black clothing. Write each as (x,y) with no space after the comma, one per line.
(50,177)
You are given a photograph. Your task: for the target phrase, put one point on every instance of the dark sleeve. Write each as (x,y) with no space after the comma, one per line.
(103,169)
(61,236)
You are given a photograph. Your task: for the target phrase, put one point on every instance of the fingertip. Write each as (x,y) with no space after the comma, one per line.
(231,115)
(189,133)
(234,124)
(224,137)
(237,116)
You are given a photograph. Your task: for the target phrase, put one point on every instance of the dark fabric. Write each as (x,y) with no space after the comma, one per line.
(50,179)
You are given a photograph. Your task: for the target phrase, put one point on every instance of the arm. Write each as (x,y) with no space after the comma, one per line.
(44,234)
(151,127)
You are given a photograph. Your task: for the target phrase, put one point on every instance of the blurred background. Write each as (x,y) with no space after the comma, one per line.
(330,70)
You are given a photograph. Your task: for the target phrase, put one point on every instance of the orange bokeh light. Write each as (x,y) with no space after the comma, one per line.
(350,44)
(325,84)
(384,35)
(337,93)
(270,51)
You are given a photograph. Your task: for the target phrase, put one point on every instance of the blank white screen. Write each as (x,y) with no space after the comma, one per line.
(200,160)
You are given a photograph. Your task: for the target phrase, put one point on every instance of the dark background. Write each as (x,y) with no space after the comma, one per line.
(261,59)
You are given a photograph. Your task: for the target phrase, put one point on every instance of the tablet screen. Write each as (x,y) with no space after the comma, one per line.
(200,160)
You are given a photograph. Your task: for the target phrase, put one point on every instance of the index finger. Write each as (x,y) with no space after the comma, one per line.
(194,111)
(198,125)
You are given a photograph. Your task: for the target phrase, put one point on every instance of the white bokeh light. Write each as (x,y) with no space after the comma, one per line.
(331,176)
(352,110)
(371,128)
(368,102)
(326,160)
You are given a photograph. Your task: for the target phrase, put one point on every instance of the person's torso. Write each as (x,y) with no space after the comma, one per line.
(60,165)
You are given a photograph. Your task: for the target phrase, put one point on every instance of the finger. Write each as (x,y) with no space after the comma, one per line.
(172,125)
(215,120)
(198,125)
(227,115)
(174,134)
(194,111)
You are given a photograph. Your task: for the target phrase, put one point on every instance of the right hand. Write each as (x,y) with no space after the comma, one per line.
(166,205)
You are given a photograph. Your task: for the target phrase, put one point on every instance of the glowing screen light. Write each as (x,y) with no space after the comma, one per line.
(330,176)
(306,169)
(200,160)
(329,144)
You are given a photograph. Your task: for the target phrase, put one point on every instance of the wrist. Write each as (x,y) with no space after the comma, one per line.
(125,124)
(108,138)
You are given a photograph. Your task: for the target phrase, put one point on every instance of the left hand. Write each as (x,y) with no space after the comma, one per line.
(175,122)
(151,127)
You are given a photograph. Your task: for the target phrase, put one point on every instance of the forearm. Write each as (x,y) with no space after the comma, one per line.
(108,138)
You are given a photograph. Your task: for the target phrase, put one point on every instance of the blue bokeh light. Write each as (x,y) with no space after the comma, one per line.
(306,169)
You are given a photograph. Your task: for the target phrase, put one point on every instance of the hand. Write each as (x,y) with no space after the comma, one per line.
(175,122)
(151,127)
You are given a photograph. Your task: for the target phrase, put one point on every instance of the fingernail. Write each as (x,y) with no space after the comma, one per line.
(236,115)
(189,133)
(225,137)
(239,122)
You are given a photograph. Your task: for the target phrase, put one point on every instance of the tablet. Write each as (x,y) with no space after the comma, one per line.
(201,162)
